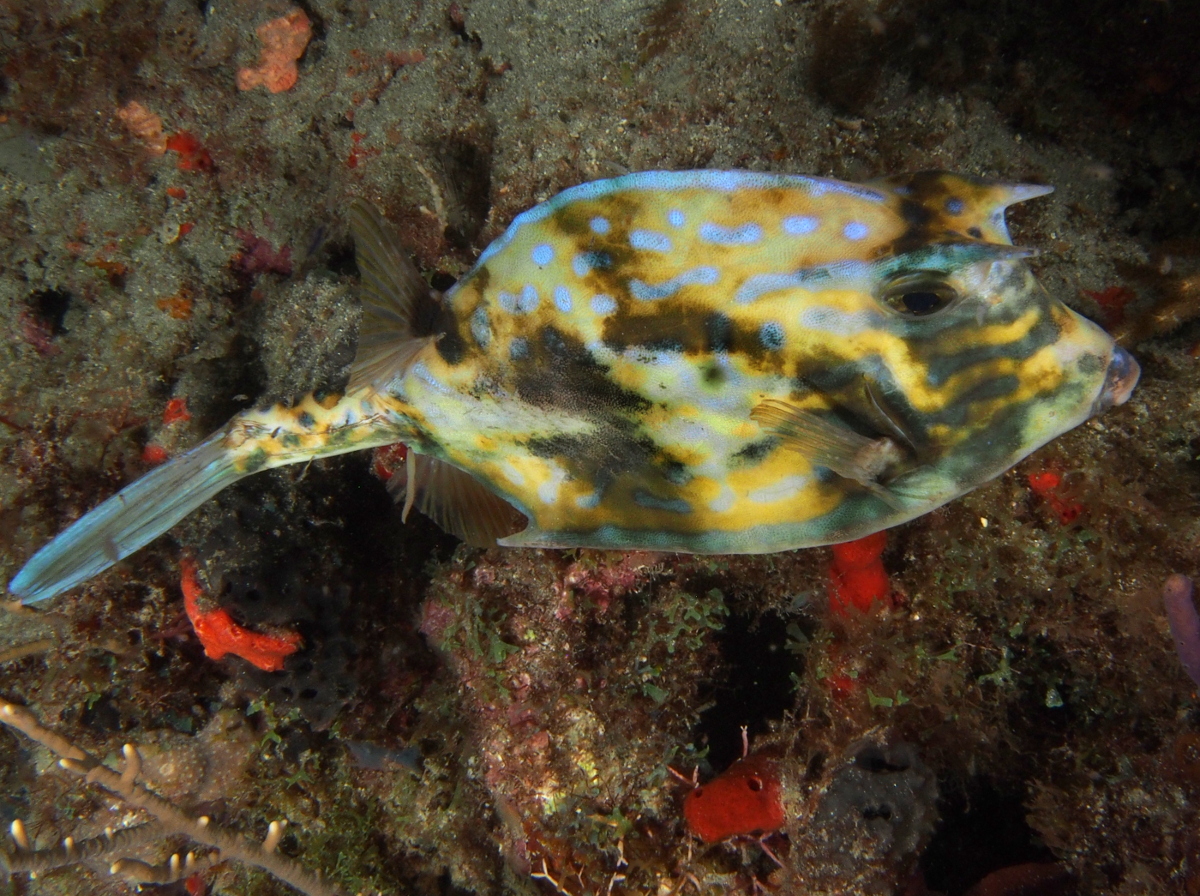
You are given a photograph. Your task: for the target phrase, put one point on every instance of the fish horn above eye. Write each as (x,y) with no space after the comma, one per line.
(1004,195)
(961,203)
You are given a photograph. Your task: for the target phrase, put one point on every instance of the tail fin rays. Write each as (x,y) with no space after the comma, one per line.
(128,520)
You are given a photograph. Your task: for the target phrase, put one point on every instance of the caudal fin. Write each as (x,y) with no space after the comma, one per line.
(128,520)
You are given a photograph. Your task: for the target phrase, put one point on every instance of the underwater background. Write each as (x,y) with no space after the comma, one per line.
(1013,719)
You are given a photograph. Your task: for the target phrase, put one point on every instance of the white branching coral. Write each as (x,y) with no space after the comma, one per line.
(168,820)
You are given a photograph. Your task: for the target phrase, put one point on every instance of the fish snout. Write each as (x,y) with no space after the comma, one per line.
(1122,376)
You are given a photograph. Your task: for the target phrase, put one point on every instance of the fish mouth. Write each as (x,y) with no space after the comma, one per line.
(1122,376)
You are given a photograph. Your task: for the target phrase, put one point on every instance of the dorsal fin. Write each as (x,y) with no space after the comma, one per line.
(455,500)
(391,291)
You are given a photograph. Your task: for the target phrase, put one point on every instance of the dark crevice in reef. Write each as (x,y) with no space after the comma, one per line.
(236,381)
(465,162)
(49,307)
(982,829)
(756,689)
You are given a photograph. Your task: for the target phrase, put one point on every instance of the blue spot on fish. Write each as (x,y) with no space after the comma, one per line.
(825,274)
(759,285)
(562,299)
(771,335)
(675,218)
(730,236)
(855,230)
(528,300)
(542,254)
(481,328)
(756,286)
(507,301)
(649,240)
(840,323)
(599,225)
(518,349)
(603,303)
(955,206)
(704,275)
(584,262)
(425,375)
(645,292)
(652,502)
(799,225)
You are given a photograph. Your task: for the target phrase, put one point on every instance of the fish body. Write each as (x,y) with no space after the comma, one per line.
(704,361)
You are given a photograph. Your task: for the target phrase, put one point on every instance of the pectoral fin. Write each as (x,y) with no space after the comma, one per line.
(831,444)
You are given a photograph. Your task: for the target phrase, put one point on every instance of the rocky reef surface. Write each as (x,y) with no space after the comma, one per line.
(173,247)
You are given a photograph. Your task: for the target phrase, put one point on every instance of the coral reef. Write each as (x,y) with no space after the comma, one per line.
(1013,714)
(167,819)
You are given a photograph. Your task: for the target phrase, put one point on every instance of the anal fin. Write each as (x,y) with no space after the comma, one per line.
(454,499)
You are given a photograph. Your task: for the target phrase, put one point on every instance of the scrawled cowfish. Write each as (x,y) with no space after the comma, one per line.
(703,361)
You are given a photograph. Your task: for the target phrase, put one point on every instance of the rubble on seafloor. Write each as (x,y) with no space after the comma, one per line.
(1010,717)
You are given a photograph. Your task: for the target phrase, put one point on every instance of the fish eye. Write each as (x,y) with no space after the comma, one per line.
(918,293)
